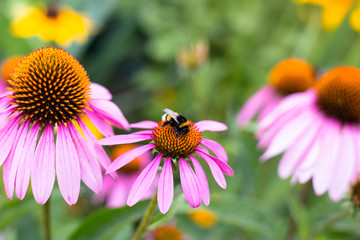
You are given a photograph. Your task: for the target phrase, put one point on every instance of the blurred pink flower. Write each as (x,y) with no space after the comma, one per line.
(177,151)
(318,131)
(287,77)
(49,92)
(115,192)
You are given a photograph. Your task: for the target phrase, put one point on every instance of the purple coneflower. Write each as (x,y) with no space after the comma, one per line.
(115,192)
(290,76)
(319,132)
(175,150)
(48,94)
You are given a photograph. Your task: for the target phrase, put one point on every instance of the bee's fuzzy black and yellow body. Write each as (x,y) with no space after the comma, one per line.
(178,122)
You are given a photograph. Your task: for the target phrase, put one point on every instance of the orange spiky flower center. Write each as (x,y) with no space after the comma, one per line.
(167,232)
(50,86)
(173,145)
(292,75)
(339,94)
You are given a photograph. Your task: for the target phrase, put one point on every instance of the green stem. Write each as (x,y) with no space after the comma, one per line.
(47,220)
(341,215)
(145,220)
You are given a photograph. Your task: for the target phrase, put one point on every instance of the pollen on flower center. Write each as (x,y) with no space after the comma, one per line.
(339,94)
(50,86)
(292,75)
(170,144)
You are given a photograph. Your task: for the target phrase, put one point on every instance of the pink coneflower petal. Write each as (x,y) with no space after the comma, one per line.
(270,106)
(189,184)
(288,134)
(293,101)
(202,180)
(7,138)
(99,92)
(144,125)
(214,168)
(267,134)
(255,104)
(209,125)
(26,162)
(225,168)
(144,132)
(123,139)
(18,147)
(166,187)
(89,166)
(43,171)
(298,151)
(92,142)
(329,150)
(216,148)
(67,166)
(110,112)
(100,124)
(144,181)
(128,157)
(342,173)
(118,194)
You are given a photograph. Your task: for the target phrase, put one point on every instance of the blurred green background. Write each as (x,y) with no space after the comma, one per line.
(134,54)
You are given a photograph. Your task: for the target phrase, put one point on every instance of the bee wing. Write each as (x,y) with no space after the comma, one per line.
(172,114)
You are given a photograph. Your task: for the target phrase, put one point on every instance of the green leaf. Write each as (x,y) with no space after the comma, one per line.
(104,223)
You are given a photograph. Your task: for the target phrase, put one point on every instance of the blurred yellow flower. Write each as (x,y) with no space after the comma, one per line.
(203,218)
(61,25)
(334,12)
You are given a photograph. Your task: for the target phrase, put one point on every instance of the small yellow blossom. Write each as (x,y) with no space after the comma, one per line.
(203,218)
(194,56)
(335,11)
(60,25)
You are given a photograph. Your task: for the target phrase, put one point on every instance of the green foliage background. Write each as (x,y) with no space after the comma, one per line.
(134,55)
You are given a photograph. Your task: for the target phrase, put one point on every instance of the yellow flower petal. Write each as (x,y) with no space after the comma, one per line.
(203,218)
(335,12)
(64,28)
(355,18)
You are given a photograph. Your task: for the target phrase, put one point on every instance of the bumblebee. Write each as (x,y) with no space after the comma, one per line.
(178,122)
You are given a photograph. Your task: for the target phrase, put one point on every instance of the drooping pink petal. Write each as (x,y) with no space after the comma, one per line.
(165,187)
(266,135)
(18,147)
(329,150)
(189,184)
(202,180)
(127,157)
(119,192)
(99,92)
(209,125)
(95,147)
(344,164)
(296,152)
(214,168)
(90,170)
(67,166)
(144,125)
(111,112)
(216,148)
(288,134)
(6,173)
(144,132)
(269,107)
(43,171)
(225,168)
(104,127)
(7,138)
(26,162)
(255,104)
(144,180)
(123,139)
